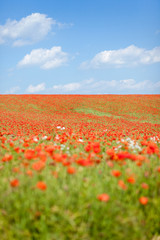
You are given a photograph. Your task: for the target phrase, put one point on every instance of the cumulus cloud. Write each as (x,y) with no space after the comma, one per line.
(38,88)
(126,57)
(13,90)
(131,84)
(91,86)
(67,87)
(45,58)
(28,30)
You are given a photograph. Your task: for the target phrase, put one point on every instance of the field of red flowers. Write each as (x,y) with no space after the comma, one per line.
(80,167)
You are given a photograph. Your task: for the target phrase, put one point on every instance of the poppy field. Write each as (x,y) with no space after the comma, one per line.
(80,167)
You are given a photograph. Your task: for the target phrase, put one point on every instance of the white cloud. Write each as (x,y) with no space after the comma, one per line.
(30,29)
(38,88)
(67,87)
(45,58)
(131,84)
(13,90)
(126,57)
(91,86)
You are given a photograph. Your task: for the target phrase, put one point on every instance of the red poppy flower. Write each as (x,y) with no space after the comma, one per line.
(122,184)
(131,180)
(41,185)
(144,186)
(7,157)
(116,173)
(29,154)
(71,170)
(29,173)
(110,164)
(38,166)
(103,197)
(96,147)
(14,183)
(143,200)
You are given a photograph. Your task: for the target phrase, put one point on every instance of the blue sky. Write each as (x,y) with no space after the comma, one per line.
(80,47)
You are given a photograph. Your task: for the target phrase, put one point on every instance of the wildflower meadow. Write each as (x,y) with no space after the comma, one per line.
(80,167)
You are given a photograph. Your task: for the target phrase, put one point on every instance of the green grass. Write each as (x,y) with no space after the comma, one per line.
(154,119)
(95,112)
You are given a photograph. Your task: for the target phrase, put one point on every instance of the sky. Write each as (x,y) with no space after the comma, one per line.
(79,47)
